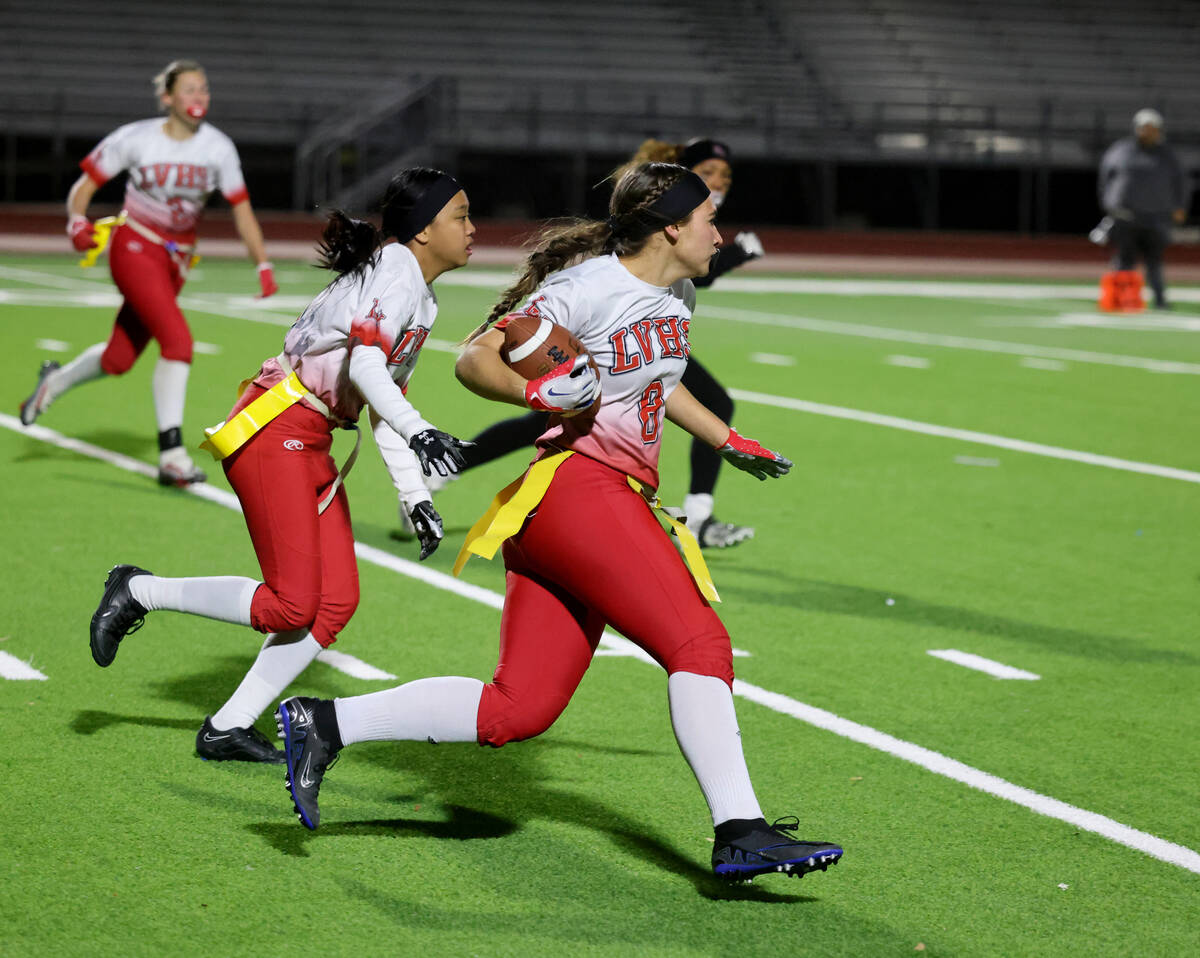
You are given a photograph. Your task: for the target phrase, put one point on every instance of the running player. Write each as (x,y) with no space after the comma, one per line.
(173,166)
(357,343)
(710,160)
(581,546)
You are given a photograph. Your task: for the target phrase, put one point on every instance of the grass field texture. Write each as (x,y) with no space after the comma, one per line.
(994,469)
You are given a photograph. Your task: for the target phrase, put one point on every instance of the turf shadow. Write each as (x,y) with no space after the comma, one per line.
(577,746)
(816,595)
(91,721)
(207,689)
(118,440)
(464,824)
(515,784)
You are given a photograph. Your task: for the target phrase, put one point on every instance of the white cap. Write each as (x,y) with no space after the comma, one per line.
(1147,117)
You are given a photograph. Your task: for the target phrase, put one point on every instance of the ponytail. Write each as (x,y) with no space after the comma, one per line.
(553,250)
(632,221)
(347,245)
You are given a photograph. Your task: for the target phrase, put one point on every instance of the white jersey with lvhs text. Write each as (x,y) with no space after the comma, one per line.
(638,336)
(169,180)
(388,307)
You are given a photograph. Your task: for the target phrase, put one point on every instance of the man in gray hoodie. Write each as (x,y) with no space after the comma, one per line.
(1143,188)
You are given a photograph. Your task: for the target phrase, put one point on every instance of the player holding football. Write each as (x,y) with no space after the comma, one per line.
(357,343)
(710,160)
(581,546)
(173,166)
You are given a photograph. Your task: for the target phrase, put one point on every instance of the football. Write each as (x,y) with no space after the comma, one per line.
(533,346)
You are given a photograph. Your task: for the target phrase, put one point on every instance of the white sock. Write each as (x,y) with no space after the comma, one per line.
(283,656)
(706,729)
(170,392)
(434,710)
(83,368)
(223,597)
(698,507)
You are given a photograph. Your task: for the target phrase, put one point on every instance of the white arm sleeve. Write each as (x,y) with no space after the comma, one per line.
(401,463)
(369,373)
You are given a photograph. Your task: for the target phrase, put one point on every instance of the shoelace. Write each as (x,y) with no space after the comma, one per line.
(789,824)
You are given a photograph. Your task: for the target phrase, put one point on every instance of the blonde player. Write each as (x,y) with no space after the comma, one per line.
(357,343)
(581,546)
(173,166)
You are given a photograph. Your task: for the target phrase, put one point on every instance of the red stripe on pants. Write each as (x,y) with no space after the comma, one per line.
(310,576)
(592,553)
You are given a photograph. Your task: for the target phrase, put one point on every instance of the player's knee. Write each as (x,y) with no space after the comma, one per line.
(116,361)
(178,348)
(706,655)
(275,612)
(507,717)
(332,617)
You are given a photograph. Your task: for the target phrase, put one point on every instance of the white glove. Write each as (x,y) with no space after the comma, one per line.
(572,386)
(750,244)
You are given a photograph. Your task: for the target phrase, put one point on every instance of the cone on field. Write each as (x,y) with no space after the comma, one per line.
(1129,291)
(1121,291)
(1109,300)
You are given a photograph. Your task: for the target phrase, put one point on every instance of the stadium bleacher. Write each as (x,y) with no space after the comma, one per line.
(1021,81)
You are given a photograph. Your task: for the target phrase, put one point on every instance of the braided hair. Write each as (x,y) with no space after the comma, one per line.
(630,224)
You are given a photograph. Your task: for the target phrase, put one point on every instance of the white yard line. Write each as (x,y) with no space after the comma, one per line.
(932,761)
(950,768)
(966,435)
(356,668)
(281,309)
(13,668)
(947,341)
(977,662)
(908,362)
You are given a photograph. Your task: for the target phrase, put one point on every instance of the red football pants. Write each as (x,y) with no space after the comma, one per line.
(149,278)
(591,554)
(310,578)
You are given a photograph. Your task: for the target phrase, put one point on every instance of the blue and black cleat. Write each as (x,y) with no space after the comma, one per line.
(310,751)
(764,849)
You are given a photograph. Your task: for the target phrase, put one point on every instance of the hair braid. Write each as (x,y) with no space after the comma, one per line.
(628,229)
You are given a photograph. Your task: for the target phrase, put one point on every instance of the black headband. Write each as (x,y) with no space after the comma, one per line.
(697,151)
(677,202)
(440,192)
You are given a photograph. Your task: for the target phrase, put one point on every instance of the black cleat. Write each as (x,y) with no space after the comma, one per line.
(118,615)
(236,745)
(767,849)
(33,407)
(310,750)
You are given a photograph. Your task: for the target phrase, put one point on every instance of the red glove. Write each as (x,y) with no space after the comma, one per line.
(82,233)
(266,280)
(749,456)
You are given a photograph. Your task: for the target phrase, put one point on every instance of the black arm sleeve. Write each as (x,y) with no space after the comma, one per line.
(730,256)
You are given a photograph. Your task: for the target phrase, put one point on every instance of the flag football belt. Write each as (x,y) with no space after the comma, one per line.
(512,505)
(225,438)
(103,229)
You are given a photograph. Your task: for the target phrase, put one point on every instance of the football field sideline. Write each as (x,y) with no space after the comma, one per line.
(282,309)
(259,311)
(928,759)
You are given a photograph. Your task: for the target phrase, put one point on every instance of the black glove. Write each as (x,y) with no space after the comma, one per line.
(439,450)
(428,523)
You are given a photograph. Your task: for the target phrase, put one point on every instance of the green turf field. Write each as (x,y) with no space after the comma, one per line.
(1056,534)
